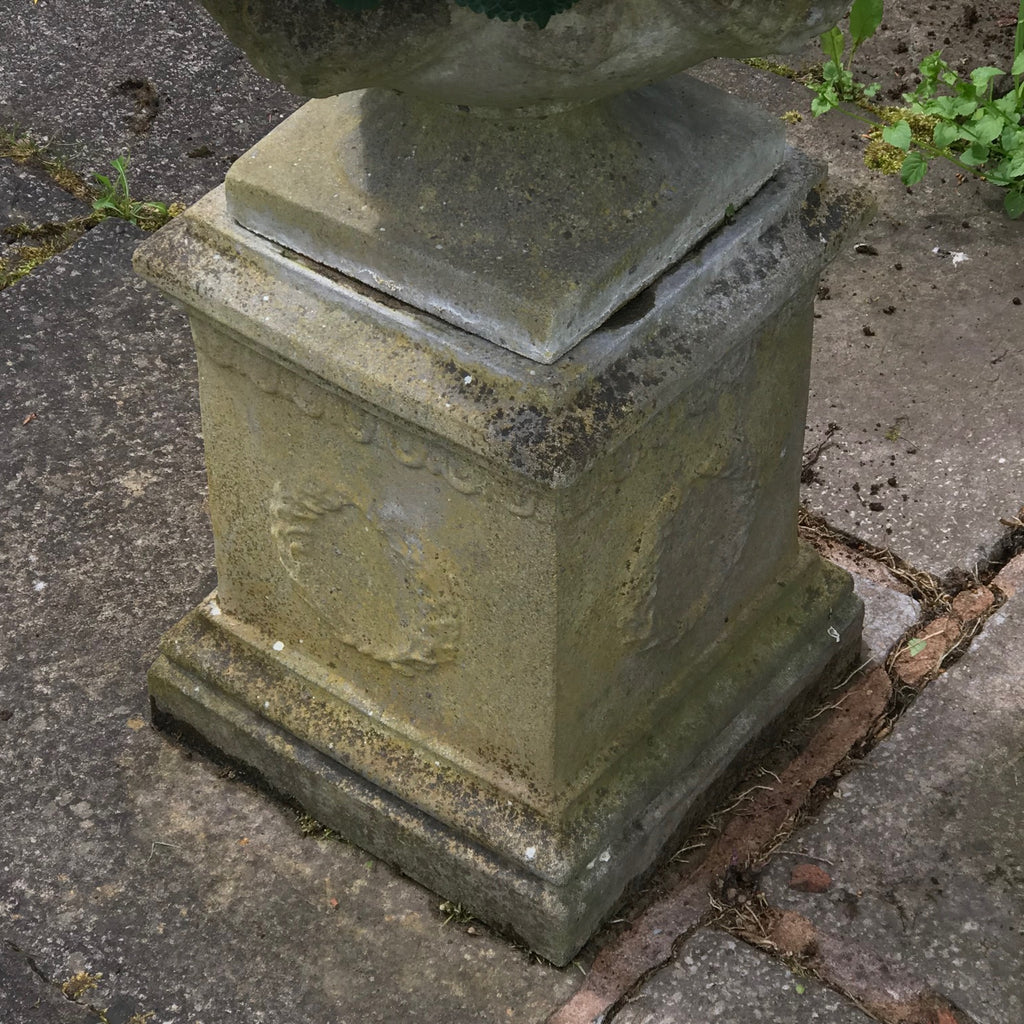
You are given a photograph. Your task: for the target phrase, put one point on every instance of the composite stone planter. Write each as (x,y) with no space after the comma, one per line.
(503,419)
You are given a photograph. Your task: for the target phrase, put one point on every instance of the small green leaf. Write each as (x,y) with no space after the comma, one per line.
(962,106)
(969,92)
(981,77)
(865,17)
(823,102)
(933,66)
(1012,139)
(800,989)
(945,134)
(1018,65)
(1007,106)
(1015,165)
(831,71)
(987,128)
(898,135)
(916,646)
(1013,203)
(914,168)
(833,42)
(975,154)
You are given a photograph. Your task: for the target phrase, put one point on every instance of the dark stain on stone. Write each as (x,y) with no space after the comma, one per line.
(147,103)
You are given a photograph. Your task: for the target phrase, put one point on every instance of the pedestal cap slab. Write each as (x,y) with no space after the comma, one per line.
(528,230)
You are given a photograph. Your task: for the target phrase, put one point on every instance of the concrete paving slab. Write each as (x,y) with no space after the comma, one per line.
(27,996)
(917,357)
(29,197)
(925,843)
(924,381)
(888,614)
(193,895)
(717,978)
(155,79)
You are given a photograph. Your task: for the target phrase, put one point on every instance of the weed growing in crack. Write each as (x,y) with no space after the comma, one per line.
(34,244)
(455,912)
(965,120)
(78,984)
(313,829)
(115,200)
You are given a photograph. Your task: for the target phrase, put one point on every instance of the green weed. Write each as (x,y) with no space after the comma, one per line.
(34,244)
(837,82)
(115,200)
(949,116)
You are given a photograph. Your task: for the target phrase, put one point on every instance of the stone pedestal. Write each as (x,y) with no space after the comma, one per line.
(503,623)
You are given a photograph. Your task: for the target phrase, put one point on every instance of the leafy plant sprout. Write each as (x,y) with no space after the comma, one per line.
(115,200)
(960,119)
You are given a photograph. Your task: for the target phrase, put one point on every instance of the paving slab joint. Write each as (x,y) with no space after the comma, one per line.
(25,151)
(923,586)
(47,240)
(728,853)
(933,591)
(722,888)
(929,647)
(860,975)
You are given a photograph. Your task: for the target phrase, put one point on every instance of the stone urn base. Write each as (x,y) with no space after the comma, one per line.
(506,625)
(527,228)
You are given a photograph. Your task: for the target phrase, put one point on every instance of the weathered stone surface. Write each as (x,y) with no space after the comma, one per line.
(28,998)
(526,747)
(927,406)
(526,231)
(717,978)
(196,897)
(441,50)
(926,844)
(155,79)
(888,615)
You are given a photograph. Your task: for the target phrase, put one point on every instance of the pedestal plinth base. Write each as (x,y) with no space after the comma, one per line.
(208,682)
(505,625)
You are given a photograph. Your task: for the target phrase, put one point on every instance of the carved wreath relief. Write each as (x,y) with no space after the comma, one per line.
(379,589)
(682,555)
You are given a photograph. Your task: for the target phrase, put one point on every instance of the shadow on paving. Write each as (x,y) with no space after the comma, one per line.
(121,854)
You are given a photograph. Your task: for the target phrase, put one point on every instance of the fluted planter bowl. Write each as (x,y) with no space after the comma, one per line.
(440,50)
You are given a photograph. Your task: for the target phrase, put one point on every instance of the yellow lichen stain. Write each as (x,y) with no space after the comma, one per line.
(78,984)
